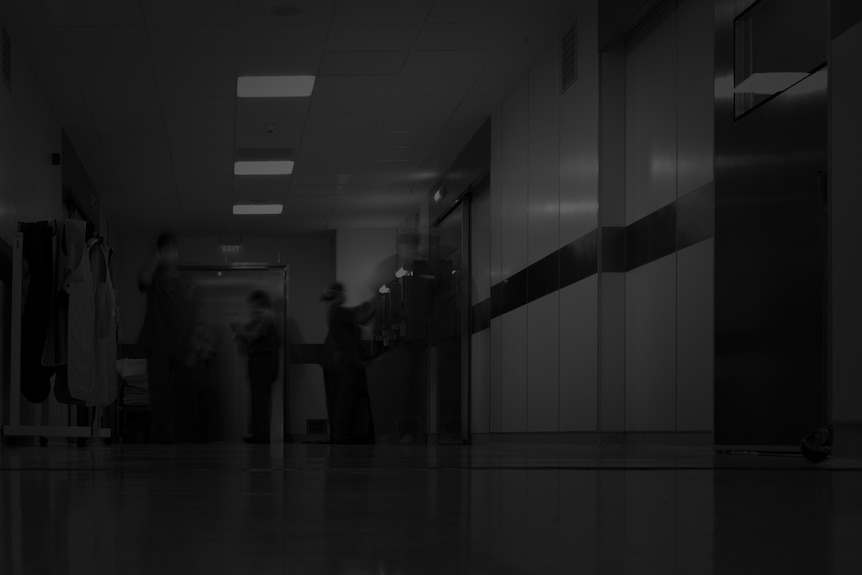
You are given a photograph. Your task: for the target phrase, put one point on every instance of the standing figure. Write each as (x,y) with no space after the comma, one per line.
(259,339)
(166,334)
(347,401)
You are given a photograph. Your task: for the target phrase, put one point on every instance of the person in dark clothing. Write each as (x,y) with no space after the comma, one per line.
(259,339)
(347,401)
(166,333)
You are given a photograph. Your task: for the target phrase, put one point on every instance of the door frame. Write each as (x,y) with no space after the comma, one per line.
(285,345)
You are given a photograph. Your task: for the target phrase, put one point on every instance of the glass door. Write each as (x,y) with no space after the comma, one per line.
(449,391)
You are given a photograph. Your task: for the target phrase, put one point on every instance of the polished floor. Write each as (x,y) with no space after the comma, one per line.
(492,509)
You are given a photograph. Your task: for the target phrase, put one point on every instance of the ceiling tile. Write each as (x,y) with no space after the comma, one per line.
(198,106)
(137,142)
(353,86)
(202,155)
(278,63)
(257,13)
(190,12)
(504,70)
(474,11)
(362,63)
(215,87)
(200,124)
(222,169)
(192,39)
(104,39)
(433,85)
(383,11)
(254,189)
(263,108)
(196,65)
(314,190)
(261,140)
(348,106)
(322,179)
(447,62)
(121,124)
(222,140)
(469,37)
(372,37)
(293,38)
(114,65)
(129,89)
(95,12)
(203,185)
(477,102)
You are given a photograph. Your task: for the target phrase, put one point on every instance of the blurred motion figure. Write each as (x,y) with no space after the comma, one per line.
(166,333)
(347,401)
(258,338)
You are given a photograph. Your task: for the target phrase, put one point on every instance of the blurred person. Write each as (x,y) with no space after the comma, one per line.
(166,333)
(347,400)
(191,396)
(259,340)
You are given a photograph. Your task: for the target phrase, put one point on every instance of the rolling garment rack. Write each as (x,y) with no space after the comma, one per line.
(42,427)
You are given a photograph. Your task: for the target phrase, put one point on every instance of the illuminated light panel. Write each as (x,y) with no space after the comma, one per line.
(263,168)
(257,209)
(274,86)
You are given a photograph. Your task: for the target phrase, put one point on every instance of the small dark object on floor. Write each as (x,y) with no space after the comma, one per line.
(818,446)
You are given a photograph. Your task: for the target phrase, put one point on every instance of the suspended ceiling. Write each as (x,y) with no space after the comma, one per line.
(146,90)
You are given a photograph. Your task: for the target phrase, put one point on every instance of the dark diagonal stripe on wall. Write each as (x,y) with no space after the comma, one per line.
(676,226)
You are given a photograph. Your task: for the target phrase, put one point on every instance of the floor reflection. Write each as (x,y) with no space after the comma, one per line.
(415,510)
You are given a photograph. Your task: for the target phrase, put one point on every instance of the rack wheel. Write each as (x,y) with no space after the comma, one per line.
(43,441)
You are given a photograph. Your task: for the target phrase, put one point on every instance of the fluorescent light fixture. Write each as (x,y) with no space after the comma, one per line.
(263,168)
(769,82)
(257,209)
(274,86)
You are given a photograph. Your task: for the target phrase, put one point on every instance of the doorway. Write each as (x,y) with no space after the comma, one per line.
(449,399)
(221,296)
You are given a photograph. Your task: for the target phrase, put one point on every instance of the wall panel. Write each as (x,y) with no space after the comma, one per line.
(695,288)
(579,356)
(544,155)
(579,130)
(481,382)
(651,346)
(651,118)
(514,380)
(495,369)
(695,86)
(543,364)
(514,179)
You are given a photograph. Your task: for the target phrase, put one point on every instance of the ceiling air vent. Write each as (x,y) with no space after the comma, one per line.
(7,59)
(569,58)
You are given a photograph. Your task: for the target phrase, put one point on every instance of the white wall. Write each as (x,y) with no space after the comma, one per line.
(669,153)
(30,187)
(365,259)
(311,264)
(544,194)
(846,182)
(544,367)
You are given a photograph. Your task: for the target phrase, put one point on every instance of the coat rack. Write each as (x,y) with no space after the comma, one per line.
(40,429)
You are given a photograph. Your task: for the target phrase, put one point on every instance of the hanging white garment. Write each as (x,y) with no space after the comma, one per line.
(82,325)
(105,336)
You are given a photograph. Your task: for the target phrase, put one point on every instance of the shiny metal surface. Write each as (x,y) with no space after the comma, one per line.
(494,509)
(221,298)
(770,254)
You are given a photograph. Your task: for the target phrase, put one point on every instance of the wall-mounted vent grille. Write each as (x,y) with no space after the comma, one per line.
(7,58)
(569,58)
(316,426)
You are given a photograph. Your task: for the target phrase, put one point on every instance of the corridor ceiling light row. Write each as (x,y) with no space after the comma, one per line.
(257,209)
(274,86)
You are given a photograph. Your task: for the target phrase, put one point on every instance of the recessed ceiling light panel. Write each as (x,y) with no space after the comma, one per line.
(257,209)
(263,168)
(274,86)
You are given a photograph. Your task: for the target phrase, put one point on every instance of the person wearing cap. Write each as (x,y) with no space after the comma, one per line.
(347,401)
